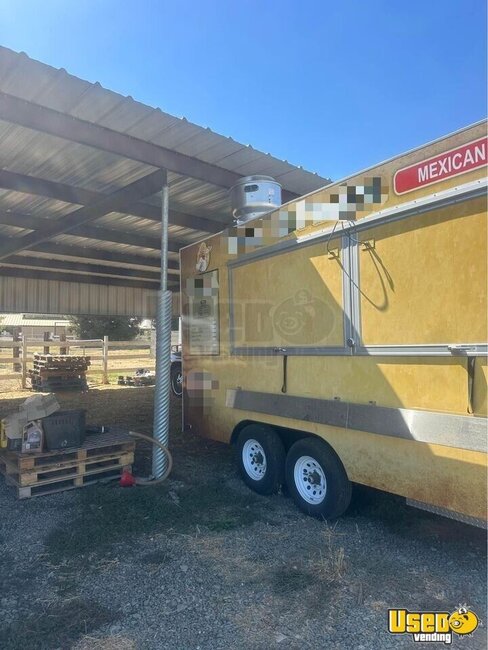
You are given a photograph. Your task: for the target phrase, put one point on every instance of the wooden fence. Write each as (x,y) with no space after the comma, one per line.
(103,354)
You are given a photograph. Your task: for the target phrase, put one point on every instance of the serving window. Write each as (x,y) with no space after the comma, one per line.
(292,299)
(423,279)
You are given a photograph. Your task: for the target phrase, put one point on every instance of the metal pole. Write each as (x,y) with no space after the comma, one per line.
(16,337)
(105,360)
(24,360)
(163,347)
(62,339)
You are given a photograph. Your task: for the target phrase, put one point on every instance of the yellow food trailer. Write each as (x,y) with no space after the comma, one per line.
(342,337)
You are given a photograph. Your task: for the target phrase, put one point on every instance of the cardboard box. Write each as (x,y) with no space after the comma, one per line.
(14,424)
(39,406)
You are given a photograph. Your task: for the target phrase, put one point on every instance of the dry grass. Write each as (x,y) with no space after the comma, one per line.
(258,574)
(329,564)
(326,564)
(143,360)
(116,642)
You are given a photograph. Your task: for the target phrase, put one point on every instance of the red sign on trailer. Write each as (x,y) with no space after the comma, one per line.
(450,163)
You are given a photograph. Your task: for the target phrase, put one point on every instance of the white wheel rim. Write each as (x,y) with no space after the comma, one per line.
(254,459)
(310,480)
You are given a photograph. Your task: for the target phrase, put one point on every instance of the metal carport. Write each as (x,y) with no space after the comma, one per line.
(80,181)
(87,178)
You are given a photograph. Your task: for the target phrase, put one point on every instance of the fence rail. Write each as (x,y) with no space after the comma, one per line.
(106,352)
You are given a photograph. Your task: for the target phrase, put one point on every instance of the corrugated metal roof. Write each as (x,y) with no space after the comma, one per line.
(59,160)
(32,320)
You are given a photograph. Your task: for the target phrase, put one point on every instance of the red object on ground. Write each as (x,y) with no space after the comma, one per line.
(127,480)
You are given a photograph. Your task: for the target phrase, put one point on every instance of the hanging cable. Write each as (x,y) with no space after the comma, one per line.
(329,252)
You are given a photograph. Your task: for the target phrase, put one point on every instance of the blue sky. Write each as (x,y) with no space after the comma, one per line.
(332,86)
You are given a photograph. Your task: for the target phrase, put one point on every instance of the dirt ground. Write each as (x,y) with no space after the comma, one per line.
(203,563)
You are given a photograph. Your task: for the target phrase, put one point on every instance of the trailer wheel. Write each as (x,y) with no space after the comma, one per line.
(316,479)
(176,379)
(261,458)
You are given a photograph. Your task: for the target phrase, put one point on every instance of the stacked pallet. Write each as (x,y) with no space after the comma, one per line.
(102,456)
(59,372)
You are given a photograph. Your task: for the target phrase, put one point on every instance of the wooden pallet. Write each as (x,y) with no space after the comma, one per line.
(57,379)
(46,362)
(65,470)
(69,484)
(61,358)
(102,456)
(51,387)
(53,372)
(61,367)
(54,386)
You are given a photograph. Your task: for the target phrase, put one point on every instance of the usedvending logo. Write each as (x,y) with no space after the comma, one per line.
(428,627)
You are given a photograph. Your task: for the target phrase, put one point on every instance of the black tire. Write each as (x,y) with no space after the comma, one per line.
(273,474)
(176,379)
(337,493)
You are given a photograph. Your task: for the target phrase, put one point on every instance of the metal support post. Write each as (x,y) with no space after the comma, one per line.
(24,360)
(62,339)
(16,338)
(163,347)
(105,360)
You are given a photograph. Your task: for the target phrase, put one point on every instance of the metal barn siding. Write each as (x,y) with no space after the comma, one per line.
(52,296)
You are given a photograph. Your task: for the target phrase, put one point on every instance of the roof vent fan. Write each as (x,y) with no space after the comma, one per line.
(253,197)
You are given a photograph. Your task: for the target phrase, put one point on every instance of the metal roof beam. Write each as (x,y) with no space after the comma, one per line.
(81,267)
(92,232)
(83,279)
(129,238)
(49,189)
(98,255)
(184,220)
(143,187)
(40,118)
(80,196)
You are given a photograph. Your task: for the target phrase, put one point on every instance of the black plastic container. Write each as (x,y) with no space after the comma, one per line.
(64,429)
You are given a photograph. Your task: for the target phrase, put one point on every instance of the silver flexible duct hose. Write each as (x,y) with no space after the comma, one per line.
(162,386)
(169,464)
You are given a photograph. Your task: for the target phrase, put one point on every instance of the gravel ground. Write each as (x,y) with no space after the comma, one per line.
(203,563)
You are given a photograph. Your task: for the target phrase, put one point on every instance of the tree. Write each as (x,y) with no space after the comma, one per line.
(117,328)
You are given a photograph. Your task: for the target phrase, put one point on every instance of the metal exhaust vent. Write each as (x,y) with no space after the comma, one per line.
(253,197)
